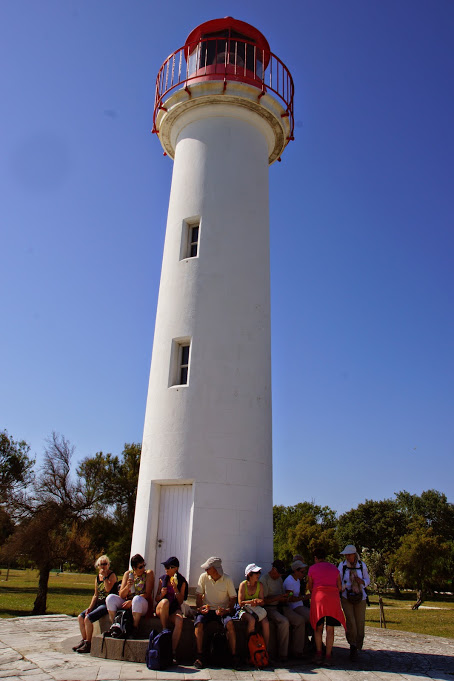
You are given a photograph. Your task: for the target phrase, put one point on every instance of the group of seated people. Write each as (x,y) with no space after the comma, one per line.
(279,596)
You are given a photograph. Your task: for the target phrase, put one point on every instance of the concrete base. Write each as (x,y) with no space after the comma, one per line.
(134,649)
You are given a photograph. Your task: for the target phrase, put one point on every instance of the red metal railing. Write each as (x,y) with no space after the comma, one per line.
(225,59)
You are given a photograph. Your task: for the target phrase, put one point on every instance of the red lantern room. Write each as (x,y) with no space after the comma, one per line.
(227,47)
(225,58)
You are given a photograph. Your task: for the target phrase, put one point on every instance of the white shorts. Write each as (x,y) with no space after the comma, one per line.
(139,604)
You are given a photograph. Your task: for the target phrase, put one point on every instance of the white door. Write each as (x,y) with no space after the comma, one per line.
(174,526)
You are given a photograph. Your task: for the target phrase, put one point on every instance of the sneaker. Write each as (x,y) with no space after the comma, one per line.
(198,664)
(85,648)
(79,645)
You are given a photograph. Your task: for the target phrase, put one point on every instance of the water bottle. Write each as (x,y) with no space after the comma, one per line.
(132,588)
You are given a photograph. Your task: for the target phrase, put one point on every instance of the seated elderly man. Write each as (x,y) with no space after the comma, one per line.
(215,600)
(276,604)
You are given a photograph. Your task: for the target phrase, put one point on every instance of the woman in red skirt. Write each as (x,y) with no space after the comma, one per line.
(324,583)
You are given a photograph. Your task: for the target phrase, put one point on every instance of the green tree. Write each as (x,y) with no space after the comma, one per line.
(298,529)
(16,466)
(115,480)
(433,507)
(50,530)
(16,473)
(423,558)
(375,525)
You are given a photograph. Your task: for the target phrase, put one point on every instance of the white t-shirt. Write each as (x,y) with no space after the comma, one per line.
(292,584)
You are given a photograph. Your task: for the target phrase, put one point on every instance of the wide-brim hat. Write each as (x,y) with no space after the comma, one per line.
(349,549)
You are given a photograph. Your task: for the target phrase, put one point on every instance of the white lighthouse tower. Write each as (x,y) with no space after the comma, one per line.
(223,112)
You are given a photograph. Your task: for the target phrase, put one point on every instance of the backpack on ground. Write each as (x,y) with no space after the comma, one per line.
(219,651)
(121,627)
(159,651)
(258,654)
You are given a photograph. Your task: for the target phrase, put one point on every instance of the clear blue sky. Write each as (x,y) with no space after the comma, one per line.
(361,232)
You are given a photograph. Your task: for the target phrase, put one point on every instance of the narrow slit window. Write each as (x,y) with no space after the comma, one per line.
(179,361)
(193,240)
(190,237)
(184,364)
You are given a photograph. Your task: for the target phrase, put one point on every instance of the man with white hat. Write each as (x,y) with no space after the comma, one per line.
(215,600)
(292,586)
(355,578)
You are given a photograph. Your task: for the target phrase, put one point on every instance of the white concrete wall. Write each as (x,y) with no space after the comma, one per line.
(216,431)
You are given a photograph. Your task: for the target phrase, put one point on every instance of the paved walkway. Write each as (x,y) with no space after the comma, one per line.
(39,649)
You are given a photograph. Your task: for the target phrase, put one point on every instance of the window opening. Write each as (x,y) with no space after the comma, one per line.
(179,361)
(190,236)
(184,364)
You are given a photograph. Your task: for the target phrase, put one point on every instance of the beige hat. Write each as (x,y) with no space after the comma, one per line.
(215,562)
(349,549)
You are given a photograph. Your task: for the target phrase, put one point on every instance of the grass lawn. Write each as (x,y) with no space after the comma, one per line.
(70,593)
(434,617)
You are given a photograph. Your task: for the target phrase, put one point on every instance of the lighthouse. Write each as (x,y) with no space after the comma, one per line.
(223,112)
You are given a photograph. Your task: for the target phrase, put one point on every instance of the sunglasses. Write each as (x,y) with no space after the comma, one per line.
(141,567)
(103,563)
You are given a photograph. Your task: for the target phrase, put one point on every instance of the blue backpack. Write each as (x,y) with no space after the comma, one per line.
(159,651)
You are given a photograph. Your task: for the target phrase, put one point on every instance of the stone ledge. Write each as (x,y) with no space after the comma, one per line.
(135,649)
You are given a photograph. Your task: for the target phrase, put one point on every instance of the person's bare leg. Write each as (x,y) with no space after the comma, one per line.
(81,621)
(329,640)
(318,635)
(266,631)
(250,621)
(199,640)
(177,620)
(232,636)
(162,611)
(88,629)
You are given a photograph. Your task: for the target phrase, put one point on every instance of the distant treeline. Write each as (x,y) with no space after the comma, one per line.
(59,515)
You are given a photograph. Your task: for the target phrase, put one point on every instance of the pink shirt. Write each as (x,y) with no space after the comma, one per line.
(323,574)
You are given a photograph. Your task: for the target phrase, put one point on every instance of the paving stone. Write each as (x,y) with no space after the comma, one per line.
(105,674)
(85,674)
(389,656)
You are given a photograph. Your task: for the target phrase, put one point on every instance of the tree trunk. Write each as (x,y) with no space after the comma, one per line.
(420,597)
(394,586)
(40,604)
